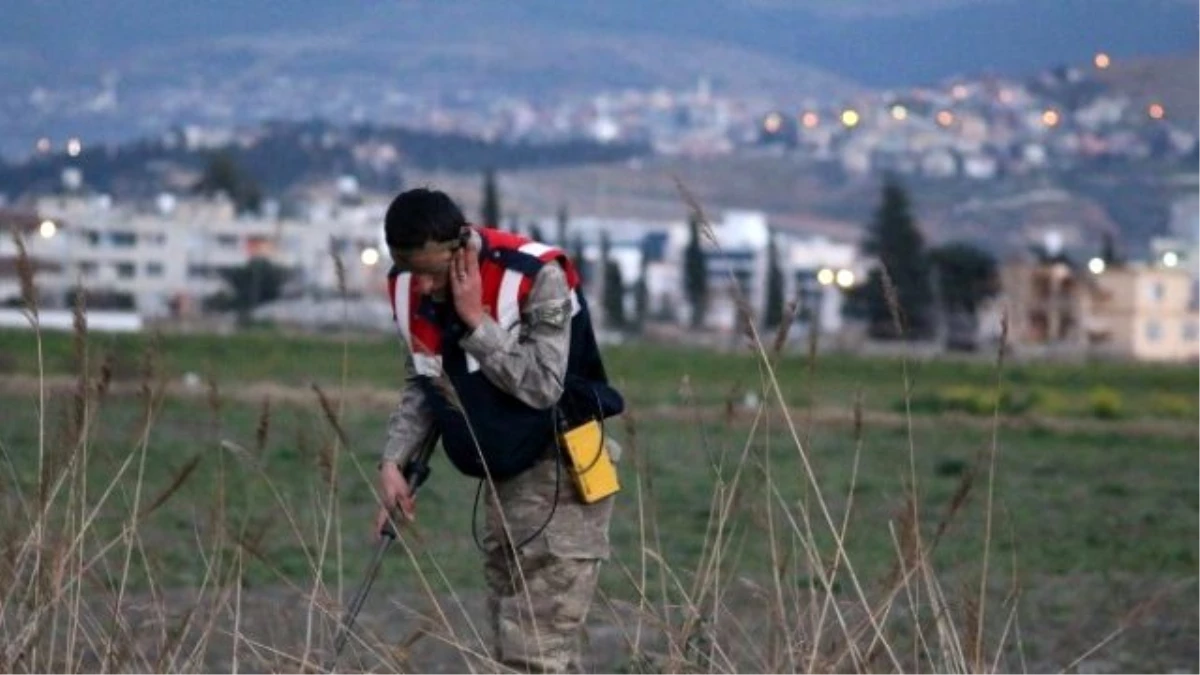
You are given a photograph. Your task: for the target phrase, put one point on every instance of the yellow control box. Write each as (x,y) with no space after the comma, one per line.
(592,467)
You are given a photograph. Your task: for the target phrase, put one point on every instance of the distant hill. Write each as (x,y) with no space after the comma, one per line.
(1173,81)
(286,155)
(878,43)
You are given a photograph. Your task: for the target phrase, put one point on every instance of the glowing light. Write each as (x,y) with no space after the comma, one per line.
(1170,259)
(1102,61)
(1051,118)
(945,118)
(845,278)
(899,113)
(1096,265)
(43,145)
(850,118)
(810,120)
(773,123)
(825,276)
(47,229)
(1156,111)
(74,147)
(369,257)
(959,92)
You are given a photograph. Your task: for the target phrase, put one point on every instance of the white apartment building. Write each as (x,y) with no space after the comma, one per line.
(816,269)
(168,256)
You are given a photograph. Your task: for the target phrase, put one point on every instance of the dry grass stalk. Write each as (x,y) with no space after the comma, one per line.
(972,646)
(25,278)
(893,301)
(784,328)
(104,380)
(957,501)
(177,480)
(810,475)
(262,429)
(339,269)
(331,415)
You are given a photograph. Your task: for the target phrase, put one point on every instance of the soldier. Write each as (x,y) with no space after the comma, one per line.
(501,358)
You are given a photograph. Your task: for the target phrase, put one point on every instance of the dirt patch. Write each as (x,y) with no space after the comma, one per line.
(385,399)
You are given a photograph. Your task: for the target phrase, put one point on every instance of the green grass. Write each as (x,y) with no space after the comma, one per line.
(647,374)
(1135,490)
(1097,508)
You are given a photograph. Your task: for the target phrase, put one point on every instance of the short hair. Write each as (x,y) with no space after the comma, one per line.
(422,215)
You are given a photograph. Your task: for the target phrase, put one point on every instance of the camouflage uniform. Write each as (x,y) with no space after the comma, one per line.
(555,573)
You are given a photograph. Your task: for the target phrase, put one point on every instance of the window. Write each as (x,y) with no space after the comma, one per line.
(92,237)
(157,238)
(126,270)
(1157,291)
(199,271)
(154,269)
(1190,331)
(1153,330)
(227,241)
(122,239)
(86,268)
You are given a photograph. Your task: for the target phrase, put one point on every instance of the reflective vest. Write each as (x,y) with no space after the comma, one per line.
(487,427)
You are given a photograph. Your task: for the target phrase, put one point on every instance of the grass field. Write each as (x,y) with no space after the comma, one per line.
(1093,517)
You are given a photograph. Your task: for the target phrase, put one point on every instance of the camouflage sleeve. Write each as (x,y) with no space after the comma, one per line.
(531,361)
(410,423)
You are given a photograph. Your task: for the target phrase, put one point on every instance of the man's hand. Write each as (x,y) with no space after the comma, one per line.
(467,286)
(394,495)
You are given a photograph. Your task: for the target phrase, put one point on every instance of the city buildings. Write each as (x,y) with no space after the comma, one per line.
(1137,310)
(164,259)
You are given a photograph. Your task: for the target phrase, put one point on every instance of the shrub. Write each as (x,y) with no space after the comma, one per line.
(969,399)
(1104,403)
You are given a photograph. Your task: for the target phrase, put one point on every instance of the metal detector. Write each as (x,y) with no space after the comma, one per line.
(415,472)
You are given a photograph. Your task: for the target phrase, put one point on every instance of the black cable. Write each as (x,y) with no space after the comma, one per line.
(554,421)
(553,507)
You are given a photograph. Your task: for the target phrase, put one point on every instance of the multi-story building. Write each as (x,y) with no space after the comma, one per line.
(815,269)
(1138,310)
(1146,312)
(166,259)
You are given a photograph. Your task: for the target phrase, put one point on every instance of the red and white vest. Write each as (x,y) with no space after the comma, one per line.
(504,292)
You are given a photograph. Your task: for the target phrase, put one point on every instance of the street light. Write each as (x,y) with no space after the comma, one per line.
(1050,118)
(825,276)
(369,256)
(74,147)
(810,119)
(1156,111)
(899,113)
(945,118)
(850,118)
(1096,265)
(845,278)
(1102,61)
(1170,259)
(47,229)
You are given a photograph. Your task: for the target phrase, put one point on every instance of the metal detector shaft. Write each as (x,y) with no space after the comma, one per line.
(415,473)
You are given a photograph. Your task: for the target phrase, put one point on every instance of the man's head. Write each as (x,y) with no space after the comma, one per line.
(423,229)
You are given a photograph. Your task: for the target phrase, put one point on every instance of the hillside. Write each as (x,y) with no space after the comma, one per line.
(1173,81)
(877,43)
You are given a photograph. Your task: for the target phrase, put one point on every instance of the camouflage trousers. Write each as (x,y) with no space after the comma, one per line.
(539,595)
